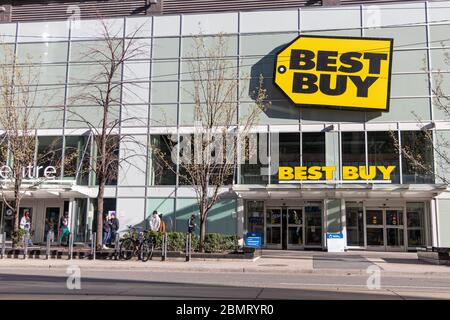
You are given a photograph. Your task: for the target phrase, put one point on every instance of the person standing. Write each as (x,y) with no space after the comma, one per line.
(106,231)
(25,224)
(191,224)
(114,222)
(162,225)
(65,232)
(155,221)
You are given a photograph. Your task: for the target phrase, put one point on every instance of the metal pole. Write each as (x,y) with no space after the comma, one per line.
(70,246)
(94,244)
(190,245)
(163,248)
(25,250)
(47,254)
(187,247)
(3,245)
(116,246)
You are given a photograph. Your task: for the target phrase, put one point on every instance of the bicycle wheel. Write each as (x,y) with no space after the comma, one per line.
(146,250)
(126,250)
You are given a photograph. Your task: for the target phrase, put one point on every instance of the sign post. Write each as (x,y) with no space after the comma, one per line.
(335,242)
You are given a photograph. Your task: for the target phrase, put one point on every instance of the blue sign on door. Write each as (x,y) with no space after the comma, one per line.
(253,240)
(335,235)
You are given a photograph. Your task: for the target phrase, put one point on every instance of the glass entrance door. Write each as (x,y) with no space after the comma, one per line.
(294,228)
(273,228)
(313,225)
(52,219)
(385,228)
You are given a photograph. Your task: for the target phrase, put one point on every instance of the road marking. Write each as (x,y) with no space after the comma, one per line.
(357,286)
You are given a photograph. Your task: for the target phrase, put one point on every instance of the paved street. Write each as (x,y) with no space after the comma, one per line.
(274,276)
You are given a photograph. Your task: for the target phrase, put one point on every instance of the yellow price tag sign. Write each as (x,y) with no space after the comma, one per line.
(343,72)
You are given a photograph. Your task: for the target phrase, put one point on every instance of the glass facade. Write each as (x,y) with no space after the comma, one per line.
(153,102)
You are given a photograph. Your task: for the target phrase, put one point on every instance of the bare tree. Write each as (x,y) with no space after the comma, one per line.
(430,141)
(19,87)
(103,91)
(208,158)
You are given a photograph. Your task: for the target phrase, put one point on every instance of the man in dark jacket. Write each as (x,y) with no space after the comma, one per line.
(114,222)
(191,224)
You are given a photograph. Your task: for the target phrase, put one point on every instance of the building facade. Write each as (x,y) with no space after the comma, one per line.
(409,212)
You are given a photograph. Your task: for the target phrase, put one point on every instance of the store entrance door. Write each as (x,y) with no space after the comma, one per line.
(385,229)
(294,227)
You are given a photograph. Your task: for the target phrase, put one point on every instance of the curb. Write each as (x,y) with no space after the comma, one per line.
(253,269)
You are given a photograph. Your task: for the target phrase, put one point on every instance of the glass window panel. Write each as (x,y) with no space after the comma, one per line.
(43,31)
(90,72)
(393,14)
(394,237)
(164,70)
(160,172)
(394,218)
(440,59)
(375,236)
(409,85)
(288,151)
(49,154)
(91,29)
(136,71)
(7,32)
(263,44)
(404,37)
(134,115)
(330,18)
(229,65)
(166,26)
(439,35)
(166,48)
(374,217)
(383,152)
(139,27)
(42,52)
(210,23)
(45,74)
(410,61)
(402,109)
(164,92)
(47,118)
(273,216)
(212,44)
(88,94)
(353,149)
(94,50)
(252,151)
(163,115)
(76,163)
(313,149)
(135,92)
(417,157)
(85,117)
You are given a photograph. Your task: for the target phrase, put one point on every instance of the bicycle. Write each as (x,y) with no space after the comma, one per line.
(132,245)
(146,248)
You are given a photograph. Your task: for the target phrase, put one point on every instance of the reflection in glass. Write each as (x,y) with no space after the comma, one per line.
(353,149)
(374,217)
(419,146)
(251,169)
(394,236)
(415,216)
(295,235)
(289,151)
(313,218)
(355,224)
(255,217)
(313,149)
(383,152)
(375,237)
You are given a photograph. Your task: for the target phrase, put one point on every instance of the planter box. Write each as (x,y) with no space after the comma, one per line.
(438,257)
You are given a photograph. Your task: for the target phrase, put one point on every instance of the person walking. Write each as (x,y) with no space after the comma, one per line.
(114,222)
(106,231)
(155,221)
(25,224)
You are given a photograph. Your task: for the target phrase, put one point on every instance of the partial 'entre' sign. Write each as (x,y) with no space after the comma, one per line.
(353,73)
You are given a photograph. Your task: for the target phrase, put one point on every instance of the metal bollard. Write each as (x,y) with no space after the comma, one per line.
(70,246)
(164,247)
(116,246)
(188,247)
(94,246)
(47,254)
(25,248)
(3,245)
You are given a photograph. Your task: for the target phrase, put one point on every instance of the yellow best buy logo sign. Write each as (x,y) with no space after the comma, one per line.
(353,73)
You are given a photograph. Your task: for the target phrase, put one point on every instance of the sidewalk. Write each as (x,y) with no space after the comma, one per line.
(349,263)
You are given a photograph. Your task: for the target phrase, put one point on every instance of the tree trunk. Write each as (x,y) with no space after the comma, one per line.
(202,231)
(100,196)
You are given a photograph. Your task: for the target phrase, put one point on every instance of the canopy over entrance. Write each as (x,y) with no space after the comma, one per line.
(51,189)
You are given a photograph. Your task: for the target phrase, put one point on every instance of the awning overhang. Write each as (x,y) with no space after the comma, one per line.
(54,189)
(338,191)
